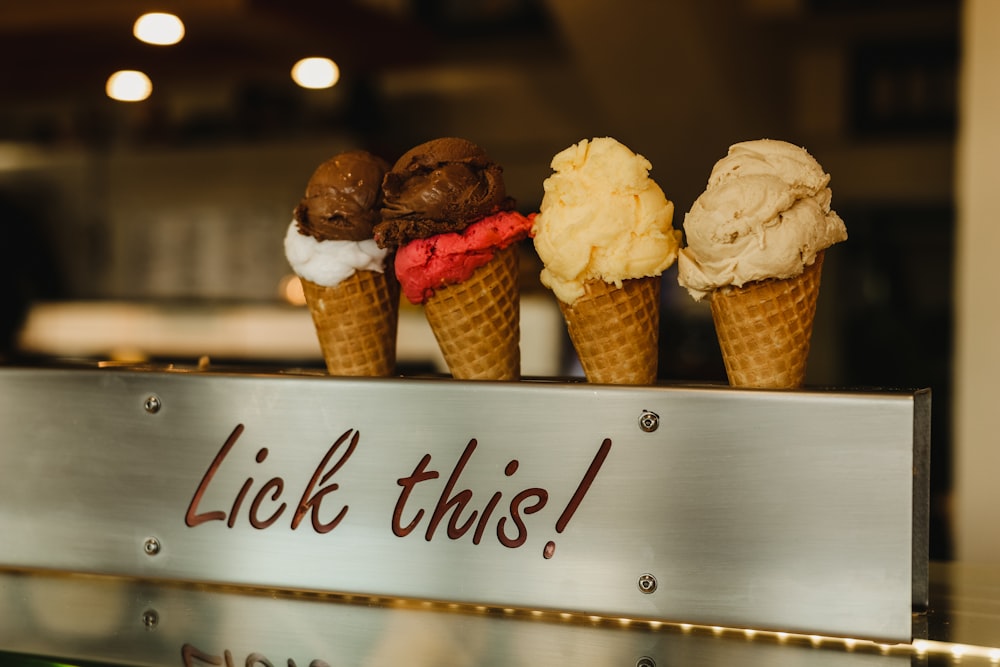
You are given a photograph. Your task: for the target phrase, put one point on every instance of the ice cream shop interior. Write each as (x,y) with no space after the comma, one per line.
(563,209)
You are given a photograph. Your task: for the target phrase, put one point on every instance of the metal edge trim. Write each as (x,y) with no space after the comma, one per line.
(921,499)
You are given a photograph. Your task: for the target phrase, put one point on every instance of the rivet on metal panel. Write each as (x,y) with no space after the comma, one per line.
(151,546)
(152,404)
(150,618)
(647,583)
(645,661)
(649,421)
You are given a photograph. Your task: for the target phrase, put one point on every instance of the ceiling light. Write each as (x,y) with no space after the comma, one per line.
(315,73)
(128,85)
(158,28)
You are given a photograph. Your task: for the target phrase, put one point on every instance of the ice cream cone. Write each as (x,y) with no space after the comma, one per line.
(356,323)
(615,330)
(764,328)
(477,322)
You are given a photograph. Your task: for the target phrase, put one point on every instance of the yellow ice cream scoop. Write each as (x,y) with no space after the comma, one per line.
(602,217)
(604,234)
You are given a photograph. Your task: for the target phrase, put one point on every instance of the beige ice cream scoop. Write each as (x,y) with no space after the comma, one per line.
(765,214)
(756,240)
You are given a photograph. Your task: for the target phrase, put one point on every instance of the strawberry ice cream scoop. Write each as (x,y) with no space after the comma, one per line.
(424,265)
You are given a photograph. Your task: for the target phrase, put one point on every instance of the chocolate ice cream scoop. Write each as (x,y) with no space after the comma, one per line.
(440,186)
(343,198)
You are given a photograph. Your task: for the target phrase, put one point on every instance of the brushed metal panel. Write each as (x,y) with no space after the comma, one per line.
(776,510)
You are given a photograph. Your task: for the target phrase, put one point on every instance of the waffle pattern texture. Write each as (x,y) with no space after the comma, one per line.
(356,323)
(764,329)
(616,330)
(477,323)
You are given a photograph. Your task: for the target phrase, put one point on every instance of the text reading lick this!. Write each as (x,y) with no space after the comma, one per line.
(460,512)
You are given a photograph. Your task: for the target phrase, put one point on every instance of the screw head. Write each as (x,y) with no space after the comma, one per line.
(150,618)
(649,421)
(645,661)
(152,404)
(647,583)
(151,546)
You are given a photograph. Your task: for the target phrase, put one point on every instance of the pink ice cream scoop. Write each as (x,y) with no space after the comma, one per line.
(424,265)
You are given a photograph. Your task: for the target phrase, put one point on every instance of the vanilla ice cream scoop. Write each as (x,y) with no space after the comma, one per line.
(765,214)
(602,218)
(329,263)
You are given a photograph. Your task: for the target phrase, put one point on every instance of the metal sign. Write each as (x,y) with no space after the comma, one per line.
(795,511)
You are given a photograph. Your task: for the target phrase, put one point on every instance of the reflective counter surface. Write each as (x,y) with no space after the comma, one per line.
(55,618)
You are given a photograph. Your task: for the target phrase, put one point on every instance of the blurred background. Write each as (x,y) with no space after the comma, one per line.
(153,229)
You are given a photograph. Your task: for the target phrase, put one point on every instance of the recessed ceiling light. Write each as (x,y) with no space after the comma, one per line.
(315,73)
(158,28)
(128,85)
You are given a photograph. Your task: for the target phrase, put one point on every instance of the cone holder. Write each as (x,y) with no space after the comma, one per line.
(800,511)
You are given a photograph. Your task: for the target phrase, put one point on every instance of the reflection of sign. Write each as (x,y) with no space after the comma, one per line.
(793,511)
(459,506)
(106,620)
(193,656)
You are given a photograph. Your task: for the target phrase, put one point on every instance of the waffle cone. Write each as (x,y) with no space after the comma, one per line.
(356,323)
(616,330)
(477,323)
(764,328)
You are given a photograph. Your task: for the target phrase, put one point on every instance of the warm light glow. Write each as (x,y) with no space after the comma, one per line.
(290,290)
(158,28)
(315,73)
(128,86)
